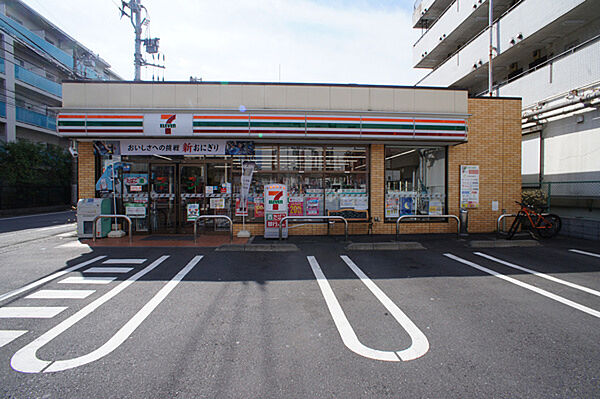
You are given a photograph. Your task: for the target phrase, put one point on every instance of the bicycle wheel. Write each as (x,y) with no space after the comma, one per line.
(548,226)
(513,227)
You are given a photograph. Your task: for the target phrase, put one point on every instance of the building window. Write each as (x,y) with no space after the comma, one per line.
(415,181)
(318,178)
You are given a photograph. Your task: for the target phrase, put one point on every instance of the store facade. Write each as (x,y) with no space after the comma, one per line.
(179,150)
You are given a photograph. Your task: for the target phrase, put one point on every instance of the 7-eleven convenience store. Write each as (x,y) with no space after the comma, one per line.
(382,151)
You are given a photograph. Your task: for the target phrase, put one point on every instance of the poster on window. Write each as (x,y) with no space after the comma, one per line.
(193,211)
(435,207)
(406,206)
(392,207)
(313,205)
(239,210)
(217,203)
(346,202)
(469,186)
(259,207)
(296,206)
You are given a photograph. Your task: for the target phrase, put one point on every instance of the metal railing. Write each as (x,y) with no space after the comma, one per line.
(574,191)
(213,217)
(314,219)
(500,218)
(405,217)
(500,230)
(112,217)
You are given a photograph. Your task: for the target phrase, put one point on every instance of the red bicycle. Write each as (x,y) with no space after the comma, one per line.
(542,225)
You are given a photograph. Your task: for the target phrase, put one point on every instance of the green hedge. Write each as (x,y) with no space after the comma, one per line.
(27,163)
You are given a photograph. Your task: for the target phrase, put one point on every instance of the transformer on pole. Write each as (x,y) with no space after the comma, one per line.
(151,44)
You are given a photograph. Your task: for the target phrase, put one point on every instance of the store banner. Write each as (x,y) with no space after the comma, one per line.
(247,172)
(172,147)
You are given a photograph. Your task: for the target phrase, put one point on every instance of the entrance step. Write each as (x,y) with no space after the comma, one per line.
(257,248)
(384,246)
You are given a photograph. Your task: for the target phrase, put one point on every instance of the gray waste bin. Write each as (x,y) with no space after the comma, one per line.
(464,222)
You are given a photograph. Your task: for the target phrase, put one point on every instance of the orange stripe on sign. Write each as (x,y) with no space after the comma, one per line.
(287,118)
(386,120)
(115,116)
(60,116)
(438,121)
(324,118)
(220,116)
(165,116)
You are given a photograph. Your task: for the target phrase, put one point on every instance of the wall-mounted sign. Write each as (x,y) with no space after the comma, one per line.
(469,186)
(172,147)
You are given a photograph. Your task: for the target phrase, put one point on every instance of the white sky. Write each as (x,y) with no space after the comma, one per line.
(325,41)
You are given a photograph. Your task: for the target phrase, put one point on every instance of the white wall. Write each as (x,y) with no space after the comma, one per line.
(572,149)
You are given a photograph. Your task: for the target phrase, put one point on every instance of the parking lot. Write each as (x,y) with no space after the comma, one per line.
(448,320)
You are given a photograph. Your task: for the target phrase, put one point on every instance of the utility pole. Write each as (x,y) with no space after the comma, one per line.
(135,15)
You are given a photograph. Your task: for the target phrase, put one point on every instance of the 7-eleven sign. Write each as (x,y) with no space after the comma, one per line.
(276,199)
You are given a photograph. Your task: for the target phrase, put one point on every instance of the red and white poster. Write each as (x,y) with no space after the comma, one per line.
(296,206)
(259,207)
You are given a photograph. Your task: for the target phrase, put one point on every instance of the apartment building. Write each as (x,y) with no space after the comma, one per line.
(547,53)
(35,57)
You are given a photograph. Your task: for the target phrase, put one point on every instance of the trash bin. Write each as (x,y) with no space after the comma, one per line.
(464,222)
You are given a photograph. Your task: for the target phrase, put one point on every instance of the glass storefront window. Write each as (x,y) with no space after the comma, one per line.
(318,178)
(301,158)
(346,159)
(415,181)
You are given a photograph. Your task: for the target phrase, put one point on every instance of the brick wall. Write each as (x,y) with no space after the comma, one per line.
(86,170)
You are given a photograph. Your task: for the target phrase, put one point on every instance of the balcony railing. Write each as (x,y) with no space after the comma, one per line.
(16,29)
(35,118)
(47,85)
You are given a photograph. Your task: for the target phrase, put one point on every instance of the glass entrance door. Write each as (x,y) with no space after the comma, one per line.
(218,188)
(192,188)
(163,208)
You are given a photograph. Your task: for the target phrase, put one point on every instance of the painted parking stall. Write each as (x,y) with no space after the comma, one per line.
(419,345)
(26,360)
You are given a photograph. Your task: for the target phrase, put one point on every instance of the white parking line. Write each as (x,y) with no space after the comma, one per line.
(124,261)
(26,361)
(49,278)
(577,251)
(108,270)
(86,280)
(60,294)
(7,336)
(30,312)
(540,291)
(420,344)
(542,275)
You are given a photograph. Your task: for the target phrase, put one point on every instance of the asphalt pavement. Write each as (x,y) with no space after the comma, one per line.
(448,320)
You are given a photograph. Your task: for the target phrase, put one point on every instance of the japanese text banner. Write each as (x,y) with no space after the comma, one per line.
(173,147)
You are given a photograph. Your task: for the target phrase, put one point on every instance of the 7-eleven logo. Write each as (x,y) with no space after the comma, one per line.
(276,201)
(168,125)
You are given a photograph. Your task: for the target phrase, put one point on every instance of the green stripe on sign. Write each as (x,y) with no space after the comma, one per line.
(95,123)
(437,127)
(394,126)
(71,123)
(329,125)
(221,124)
